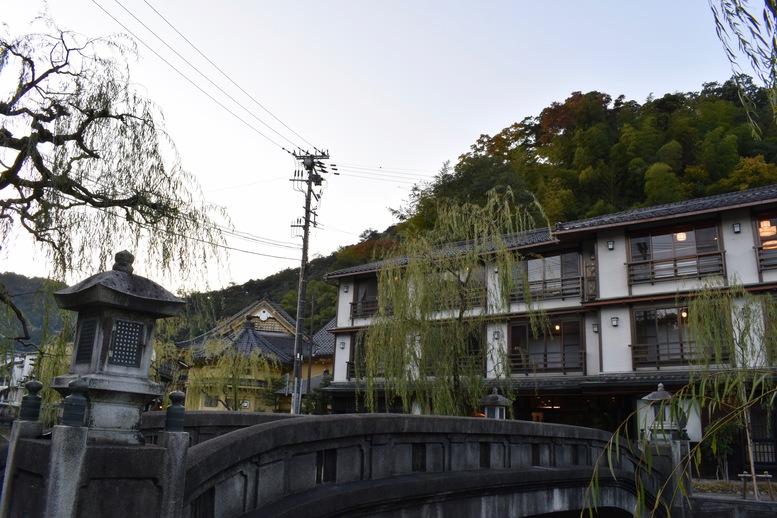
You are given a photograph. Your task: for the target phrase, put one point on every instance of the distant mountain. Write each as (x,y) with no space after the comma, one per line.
(33,297)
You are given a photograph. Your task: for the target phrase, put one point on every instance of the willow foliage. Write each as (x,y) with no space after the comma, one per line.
(86,168)
(229,374)
(751,33)
(426,345)
(733,332)
(733,371)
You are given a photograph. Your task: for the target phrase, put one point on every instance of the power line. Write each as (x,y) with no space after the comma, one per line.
(246,236)
(188,79)
(197,239)
(381,168)
(227,76)
(201,73)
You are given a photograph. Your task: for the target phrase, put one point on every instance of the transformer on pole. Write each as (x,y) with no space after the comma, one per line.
(305,180)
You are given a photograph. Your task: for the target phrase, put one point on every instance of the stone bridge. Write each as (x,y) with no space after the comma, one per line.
(400,465)
(244,464)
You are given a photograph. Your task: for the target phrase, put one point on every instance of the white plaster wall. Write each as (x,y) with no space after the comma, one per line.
(616,353)
(741,258)
(611,268)
(342,356)
(592,344)
(344,300)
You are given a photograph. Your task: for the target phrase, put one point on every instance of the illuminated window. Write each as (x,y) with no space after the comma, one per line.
(669,253)
(767,240)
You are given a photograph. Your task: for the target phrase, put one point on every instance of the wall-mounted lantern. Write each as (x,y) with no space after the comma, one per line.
(595,327)
(610,245)
(737,228)
(614,321)
(342,345)
(497,335)
(345,288)
(117,313)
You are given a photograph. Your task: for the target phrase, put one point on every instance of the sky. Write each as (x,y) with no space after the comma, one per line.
(391,88)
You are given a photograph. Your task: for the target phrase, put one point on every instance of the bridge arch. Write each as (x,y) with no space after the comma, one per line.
(382,465)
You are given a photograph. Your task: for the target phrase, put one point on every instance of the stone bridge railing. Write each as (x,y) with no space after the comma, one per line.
(243,464)
(343,463)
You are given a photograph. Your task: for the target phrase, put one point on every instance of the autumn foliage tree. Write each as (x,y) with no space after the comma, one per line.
(591,154)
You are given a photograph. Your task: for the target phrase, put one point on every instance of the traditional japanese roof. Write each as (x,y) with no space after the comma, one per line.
(602,383)
(263,326)
(324,340)
(746,198)
(709,204)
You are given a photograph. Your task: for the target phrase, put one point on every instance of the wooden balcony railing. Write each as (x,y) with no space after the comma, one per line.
(551,361)
(700,265)
(666,354)
(550,289)
(351,371)
(364,309)
(767,257)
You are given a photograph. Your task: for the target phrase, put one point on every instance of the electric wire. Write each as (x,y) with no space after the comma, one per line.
(246,236)
(151,228)
(190,81)
(227,76)
(203,75)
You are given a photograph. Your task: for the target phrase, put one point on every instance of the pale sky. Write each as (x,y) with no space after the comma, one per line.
(391,88)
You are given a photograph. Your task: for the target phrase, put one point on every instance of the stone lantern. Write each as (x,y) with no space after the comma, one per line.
(113,345)
(495,405)
(662,427)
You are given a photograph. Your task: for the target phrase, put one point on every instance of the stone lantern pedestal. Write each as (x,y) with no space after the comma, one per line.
(117,313)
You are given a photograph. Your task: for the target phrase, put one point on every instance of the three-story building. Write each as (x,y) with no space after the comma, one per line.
(614,288)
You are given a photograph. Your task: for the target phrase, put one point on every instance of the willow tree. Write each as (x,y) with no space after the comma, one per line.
(426,345)
(733,371)
(86,168)
(733,330)
(749,32)
(228,373)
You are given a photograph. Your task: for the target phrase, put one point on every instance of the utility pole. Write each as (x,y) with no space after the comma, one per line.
(305,180)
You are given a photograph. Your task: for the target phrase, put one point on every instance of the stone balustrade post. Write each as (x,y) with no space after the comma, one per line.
(26,427)
(68,448)
(176,444)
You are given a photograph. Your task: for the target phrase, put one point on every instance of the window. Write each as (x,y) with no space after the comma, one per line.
(669,253)
(366,297)
(767,242)
(661,337)
(211,401)
(551,276)
(559,349)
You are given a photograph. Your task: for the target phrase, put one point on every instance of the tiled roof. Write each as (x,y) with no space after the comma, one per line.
(710,203)
(528,238)
(528,385)
(744,198)
(324,340)
(279,345)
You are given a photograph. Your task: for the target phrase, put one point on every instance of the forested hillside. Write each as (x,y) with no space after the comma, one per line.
(587,155)
(33,297)
(592,154)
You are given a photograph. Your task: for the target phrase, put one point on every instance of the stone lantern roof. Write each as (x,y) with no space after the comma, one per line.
(495,399)
(120,288)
